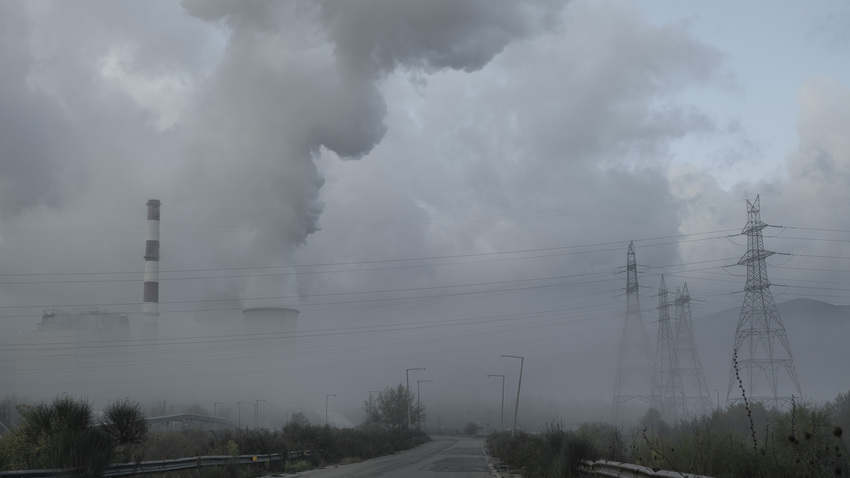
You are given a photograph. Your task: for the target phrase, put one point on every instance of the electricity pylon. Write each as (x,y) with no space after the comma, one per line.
(696,397)
(667,391)
(762,365)
(634,362)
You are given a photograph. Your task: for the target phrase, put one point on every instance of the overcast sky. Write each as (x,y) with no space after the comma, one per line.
(432,184)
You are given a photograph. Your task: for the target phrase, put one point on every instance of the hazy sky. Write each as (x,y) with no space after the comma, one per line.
(432,183)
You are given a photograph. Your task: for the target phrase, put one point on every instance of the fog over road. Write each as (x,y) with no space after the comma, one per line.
(446,457)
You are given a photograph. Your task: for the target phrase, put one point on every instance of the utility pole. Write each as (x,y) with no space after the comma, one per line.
(257,413)
(489,426)
(419,404)
(502,419)
(326,406)
(371,403)
(761,348)
(516,406)
(407,398)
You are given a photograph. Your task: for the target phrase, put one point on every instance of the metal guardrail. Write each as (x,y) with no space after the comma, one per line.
(615,469)
(33,473)
(163,466)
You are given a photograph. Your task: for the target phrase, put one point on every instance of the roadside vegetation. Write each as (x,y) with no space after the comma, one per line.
(319,446)
(67,433)
(556,452)
(746,440)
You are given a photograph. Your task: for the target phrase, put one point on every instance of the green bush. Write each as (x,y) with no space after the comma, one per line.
(65,434)
(297,466)
(743,440)
(554,453)
(799,442)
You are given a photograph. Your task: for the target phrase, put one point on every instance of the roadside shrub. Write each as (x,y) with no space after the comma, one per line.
(297,467)
(554,453)
(798,442)
(65,434)
(743,440)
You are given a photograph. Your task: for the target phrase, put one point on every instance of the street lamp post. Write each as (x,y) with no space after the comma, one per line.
(373,413)
(239,405)
(407,398)
(418,404)
(215,407)
(502,419)
(326,406)
(519,384)
(257,413)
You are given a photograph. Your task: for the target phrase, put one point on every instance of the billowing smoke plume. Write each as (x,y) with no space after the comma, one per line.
(26,117)
(299,78)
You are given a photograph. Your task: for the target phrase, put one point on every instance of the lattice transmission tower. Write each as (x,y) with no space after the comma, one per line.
(667,391)
(762,363)
(634,362)
(696,396)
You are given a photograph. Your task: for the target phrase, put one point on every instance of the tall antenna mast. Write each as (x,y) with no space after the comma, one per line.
(762,358)
(634,362)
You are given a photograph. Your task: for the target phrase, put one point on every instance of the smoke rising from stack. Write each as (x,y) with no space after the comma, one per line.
(542,128)
(300,80)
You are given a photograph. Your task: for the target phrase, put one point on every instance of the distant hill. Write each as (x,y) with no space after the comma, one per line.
(814,310)
(819,335)
(794,310)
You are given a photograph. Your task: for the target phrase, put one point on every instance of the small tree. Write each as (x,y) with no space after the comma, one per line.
(299,419)
(389,409)
(654,424)
(65,434)
(125,425)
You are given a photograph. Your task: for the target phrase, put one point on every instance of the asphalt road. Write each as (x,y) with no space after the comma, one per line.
(443,457)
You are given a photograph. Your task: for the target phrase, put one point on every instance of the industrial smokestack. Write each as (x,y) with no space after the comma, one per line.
(150,302)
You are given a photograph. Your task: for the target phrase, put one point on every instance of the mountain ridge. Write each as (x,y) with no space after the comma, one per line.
(817,332)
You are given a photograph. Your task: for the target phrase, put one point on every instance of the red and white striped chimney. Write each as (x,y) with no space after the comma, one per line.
(150,303)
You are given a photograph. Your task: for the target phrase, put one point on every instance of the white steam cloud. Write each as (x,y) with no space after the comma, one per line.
(300,77)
